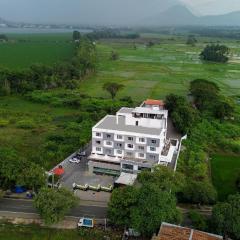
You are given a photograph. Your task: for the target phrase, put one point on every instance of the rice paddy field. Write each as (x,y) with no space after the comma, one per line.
(165,68)
(225,171)
(23,50)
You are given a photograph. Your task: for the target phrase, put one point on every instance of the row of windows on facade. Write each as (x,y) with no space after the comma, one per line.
(131,146)
(120,137)
(129,154)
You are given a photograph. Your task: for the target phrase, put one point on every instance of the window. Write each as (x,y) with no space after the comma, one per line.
(152,149)
(141,155)
(119,151)
(108,136)
(127,166)
(154,141)
(119,137)
(136,123)
(130,145)
(141,147)
(142,140)
(152,157)
(98,134)
(129,154)
(130,138)
(109,143)
(98,149)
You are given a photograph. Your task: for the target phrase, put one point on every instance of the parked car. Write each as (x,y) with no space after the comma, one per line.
(74,160)
(83,154)
(86,222)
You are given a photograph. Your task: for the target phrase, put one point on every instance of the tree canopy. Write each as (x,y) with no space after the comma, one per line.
(134,207)
(226,217)
(53,204)
(215,53)
(113,88)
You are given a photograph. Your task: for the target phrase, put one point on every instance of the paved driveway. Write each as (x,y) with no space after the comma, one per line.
(79,174)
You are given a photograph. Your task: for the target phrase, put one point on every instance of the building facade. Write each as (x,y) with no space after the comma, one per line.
(132,140)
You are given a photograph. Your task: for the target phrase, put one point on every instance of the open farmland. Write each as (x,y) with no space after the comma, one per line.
(225,171)
(23,50)
(165,68)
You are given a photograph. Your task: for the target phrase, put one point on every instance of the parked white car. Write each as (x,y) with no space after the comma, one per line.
(82,154)
(74,160)
(86,222)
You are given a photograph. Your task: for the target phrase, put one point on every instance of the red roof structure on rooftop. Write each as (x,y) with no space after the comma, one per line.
(154,102)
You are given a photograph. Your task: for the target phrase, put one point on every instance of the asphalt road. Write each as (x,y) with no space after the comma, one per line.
(26,206)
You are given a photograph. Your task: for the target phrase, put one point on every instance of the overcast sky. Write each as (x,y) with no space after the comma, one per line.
(102,11)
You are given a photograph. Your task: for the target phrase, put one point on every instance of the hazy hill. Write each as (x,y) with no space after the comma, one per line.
(181,15)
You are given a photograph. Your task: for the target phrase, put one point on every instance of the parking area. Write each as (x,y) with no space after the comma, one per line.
(78,173)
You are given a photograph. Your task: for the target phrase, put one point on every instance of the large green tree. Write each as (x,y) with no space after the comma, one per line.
(113,88)
(226,217)
(181,112)
(53,204)
(215,53)
(120,206)
(165,178)
(154,207)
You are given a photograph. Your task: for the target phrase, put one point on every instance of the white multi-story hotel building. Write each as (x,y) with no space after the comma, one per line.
(134,139)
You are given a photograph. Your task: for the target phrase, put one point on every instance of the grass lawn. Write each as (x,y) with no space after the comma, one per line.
(165,68)
(225,169)
(23,50)
(34,232)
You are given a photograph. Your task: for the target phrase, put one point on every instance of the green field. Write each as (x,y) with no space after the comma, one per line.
(165,68)
(225,170)
(27,142)
(34,232)
(23,50)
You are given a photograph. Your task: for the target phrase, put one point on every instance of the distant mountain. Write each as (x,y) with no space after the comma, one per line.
(176,15)
(180,15)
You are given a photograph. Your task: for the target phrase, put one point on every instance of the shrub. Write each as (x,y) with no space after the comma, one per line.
(26,124)
(198,221)
(3,123)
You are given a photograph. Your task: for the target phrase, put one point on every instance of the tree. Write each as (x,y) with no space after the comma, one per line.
(226,217)
(181,112)
(154,207)
(76,36)
(3,37)
(198,221)
(114,56)
(53,204)
(191,40)
(121,203)
(199,192)
(165,178)
(215,53)
(113,88)
(207,98)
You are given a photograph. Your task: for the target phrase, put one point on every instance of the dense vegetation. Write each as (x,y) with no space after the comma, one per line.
(215,53)
(152,202)
(53,204)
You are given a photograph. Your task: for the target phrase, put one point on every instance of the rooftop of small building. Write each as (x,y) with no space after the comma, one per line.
(174,232)
(125,110)
(110,123)
(154,102)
